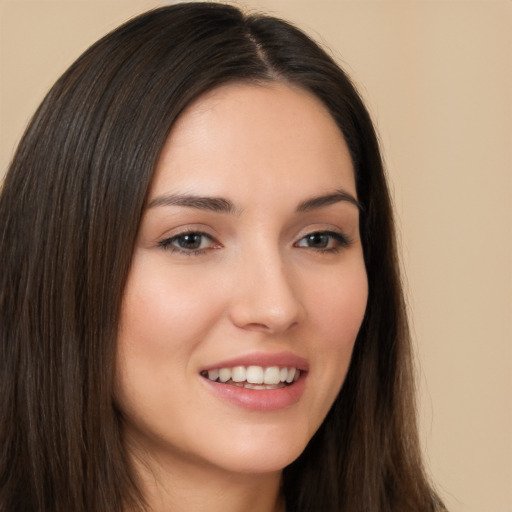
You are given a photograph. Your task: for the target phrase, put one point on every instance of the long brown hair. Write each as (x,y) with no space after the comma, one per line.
(69,214)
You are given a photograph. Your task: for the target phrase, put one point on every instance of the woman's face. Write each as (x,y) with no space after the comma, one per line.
(248,267)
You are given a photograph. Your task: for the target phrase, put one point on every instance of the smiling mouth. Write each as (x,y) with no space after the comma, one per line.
(254,377)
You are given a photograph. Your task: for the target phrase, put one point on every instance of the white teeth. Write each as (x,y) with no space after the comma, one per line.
(213,374)
(254,377)
(271,375)
(291,375)
(224,374)
(238,374)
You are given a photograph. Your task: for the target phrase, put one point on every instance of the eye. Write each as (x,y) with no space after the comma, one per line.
(330,241)
(191,242)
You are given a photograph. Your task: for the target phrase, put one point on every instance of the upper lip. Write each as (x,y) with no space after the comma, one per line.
(264,359)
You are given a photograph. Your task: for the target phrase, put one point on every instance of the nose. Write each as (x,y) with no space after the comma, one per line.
(266,295)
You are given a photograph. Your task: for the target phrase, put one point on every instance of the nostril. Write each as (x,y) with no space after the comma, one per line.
(264,314)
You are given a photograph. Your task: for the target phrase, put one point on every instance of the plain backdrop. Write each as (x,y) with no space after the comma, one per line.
(437,77)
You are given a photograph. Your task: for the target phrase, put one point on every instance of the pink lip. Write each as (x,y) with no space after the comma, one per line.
(259,400)
(264,399)
(281,359)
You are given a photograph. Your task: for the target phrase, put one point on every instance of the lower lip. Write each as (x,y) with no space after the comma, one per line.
(259,399)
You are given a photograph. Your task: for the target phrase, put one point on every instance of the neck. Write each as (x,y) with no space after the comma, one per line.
(202,488)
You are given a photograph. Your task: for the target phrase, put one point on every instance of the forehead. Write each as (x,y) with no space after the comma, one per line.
(257,137)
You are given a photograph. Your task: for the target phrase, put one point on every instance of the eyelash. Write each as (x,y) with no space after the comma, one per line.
(342,242)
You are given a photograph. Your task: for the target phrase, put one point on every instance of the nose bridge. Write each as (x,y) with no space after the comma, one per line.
(266,296)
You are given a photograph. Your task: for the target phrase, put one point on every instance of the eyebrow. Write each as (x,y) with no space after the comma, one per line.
(222,205)
(322,201)
(213,204)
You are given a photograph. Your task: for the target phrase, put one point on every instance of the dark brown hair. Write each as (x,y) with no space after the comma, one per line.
(69,214)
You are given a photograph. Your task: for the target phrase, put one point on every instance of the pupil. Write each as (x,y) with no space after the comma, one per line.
(190,241)
(318,240)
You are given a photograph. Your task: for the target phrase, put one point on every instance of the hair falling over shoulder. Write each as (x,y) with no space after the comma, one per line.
(70,209)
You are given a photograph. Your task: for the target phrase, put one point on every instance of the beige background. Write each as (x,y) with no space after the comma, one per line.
(437,76)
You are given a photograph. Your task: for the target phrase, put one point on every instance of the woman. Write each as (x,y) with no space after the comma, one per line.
(200,299)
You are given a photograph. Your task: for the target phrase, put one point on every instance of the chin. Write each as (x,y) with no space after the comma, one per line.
(265,451)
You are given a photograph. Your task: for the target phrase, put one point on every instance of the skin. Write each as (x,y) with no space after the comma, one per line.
(256,284)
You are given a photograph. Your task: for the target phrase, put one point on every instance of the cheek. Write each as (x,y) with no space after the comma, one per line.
(165,314)
(339,304)
(164,318)
(336,314)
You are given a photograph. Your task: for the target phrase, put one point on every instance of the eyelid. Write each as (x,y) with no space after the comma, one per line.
(186,229)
